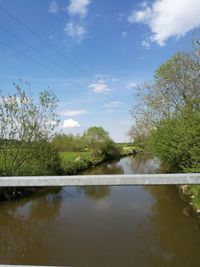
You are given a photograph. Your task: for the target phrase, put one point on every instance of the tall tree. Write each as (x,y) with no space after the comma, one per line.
(26,124)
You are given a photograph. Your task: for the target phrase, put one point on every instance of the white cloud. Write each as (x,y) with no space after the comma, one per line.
(53,8)
(131,85)
(78,7)
(146,43)
(113,104)
(71,124)
(75,30)
(167,18)
(73,112)
(99,87)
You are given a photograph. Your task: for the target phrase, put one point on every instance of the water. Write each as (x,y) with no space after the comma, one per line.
(102,226)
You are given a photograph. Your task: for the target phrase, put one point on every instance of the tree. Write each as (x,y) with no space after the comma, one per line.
(99,143)
(176,141)
(68,142)
(168,113)
(26,125)
(175,84)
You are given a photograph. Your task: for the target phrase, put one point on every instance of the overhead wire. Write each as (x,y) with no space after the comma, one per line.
(31,59)
(36,50)
(43,40)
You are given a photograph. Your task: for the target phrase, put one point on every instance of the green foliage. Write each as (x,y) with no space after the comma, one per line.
(100,144)
(168,116)
(127,149)
(110,150)
(44,160)
(194,191)
(69,142)
(73,162)
(95,138)
(94,147)
(27,124)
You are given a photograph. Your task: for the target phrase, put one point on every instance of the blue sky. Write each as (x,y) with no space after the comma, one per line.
(102,49)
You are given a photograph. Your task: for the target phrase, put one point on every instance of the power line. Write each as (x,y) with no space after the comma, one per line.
(47,44)
(36,50)
(42,40)
(34,60)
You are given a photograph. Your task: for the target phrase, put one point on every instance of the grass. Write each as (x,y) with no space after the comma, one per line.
(73,162)
(194,192)
(73,156)
(126,149)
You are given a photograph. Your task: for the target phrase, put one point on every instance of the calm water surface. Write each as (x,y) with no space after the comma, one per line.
(104,226)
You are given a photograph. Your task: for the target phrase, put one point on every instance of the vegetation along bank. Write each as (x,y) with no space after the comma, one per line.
(167,118)
(29,144)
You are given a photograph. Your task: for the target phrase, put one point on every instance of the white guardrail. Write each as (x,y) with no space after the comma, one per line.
(84,180)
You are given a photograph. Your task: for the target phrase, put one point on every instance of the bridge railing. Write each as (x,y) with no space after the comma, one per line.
(84,180)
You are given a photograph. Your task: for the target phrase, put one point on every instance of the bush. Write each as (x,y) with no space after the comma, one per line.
(176,141)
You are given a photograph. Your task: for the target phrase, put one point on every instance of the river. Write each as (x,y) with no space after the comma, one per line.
(119,226)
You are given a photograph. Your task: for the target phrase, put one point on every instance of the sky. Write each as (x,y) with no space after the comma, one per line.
(92,53)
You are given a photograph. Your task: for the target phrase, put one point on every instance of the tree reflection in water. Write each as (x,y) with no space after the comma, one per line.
(22,224)
(96,192)
(100,192)
(171,237)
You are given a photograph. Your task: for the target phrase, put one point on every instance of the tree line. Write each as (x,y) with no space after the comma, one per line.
(29,144)
(167,116)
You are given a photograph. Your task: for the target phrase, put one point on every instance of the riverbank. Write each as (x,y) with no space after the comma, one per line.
(74,162)
(192,196)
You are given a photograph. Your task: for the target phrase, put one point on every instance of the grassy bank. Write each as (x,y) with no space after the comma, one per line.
(192,192)
(73,162)
(127,149)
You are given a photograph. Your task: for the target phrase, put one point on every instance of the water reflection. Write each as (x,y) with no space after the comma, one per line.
(142,163)
(102,226)
(96,192)
(112,167)
(178,234)
(22,224)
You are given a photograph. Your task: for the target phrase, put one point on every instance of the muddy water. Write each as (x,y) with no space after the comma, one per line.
(102,226)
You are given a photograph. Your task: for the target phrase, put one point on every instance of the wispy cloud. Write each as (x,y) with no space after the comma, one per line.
(146,43)
(131,85)
(167,18)
(71,124)
(99,87)
(53,8)
(76,27)
(76,30)
(78,7)
(73,112)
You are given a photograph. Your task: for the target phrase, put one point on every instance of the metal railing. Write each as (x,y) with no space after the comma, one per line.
(84,180)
